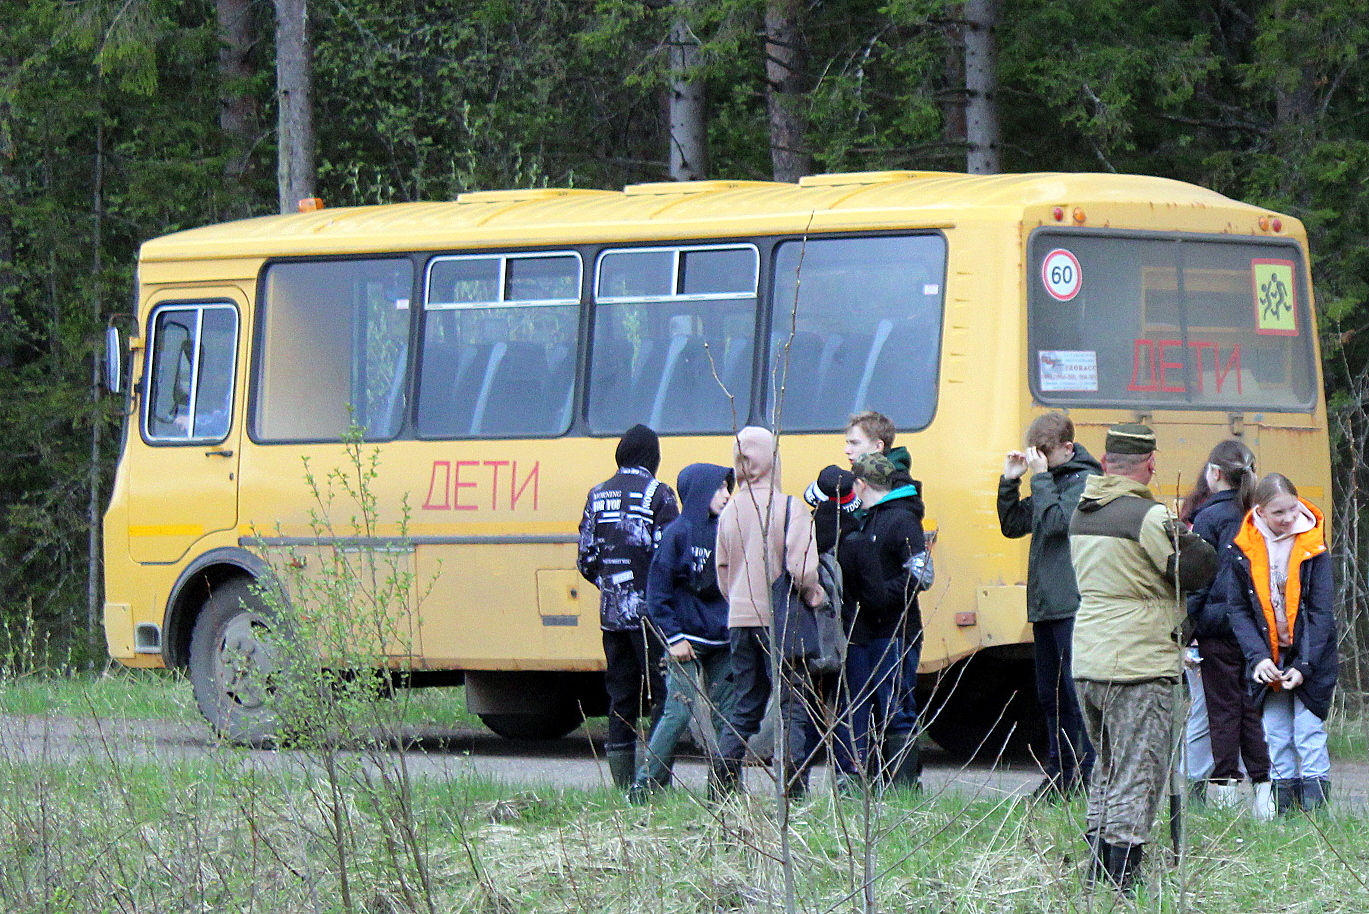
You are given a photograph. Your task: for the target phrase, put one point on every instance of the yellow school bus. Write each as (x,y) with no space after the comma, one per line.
(494,348)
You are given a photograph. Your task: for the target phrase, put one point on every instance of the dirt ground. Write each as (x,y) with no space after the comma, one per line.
(452,753)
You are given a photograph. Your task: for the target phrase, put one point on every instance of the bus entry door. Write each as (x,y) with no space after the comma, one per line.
(182,464)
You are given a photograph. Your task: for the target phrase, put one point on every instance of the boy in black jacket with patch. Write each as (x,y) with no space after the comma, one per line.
(621,526)
(689,613)
(886,632)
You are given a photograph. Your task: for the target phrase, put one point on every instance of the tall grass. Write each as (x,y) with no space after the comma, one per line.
(112,829)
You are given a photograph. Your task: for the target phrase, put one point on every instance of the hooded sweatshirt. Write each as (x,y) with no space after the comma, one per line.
(875,571)
(1280,597)
(620,529)
(682,593)
(752,545)
(1123,543)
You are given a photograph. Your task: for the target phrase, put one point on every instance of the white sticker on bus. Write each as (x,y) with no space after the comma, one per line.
(1067,369)
(1061,274)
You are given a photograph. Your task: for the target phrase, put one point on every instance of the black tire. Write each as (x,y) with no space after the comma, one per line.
(232,664)
(984,708)
(553,723)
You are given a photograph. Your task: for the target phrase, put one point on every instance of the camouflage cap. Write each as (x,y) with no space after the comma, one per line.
(1130,438)
(875,469)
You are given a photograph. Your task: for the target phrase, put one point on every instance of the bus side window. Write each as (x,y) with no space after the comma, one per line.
(673,338)
(499,336)
(332,349)
(859,329)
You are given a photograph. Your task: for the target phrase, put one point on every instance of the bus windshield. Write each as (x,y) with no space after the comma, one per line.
(1168,321)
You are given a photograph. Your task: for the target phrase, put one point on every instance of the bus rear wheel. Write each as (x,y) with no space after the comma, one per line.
(233,664)
(552,723)
(985,708)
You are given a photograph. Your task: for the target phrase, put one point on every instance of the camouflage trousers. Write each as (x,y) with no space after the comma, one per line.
(1131,727)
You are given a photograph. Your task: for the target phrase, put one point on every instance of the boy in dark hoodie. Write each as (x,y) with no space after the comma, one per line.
(689,613)
(621,527)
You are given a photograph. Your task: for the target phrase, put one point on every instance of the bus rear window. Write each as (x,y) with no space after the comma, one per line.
(1171,321)
(856,325)
(333,349)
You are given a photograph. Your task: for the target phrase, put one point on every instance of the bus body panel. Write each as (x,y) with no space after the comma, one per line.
(487,526)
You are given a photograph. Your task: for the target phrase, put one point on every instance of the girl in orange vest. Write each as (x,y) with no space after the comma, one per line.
(1280,597)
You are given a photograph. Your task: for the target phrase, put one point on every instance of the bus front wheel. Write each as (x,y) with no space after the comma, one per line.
(233,663)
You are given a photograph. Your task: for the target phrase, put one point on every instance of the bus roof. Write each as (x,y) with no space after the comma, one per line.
(702,209)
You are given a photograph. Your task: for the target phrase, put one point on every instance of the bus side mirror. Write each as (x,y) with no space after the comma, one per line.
(114,361)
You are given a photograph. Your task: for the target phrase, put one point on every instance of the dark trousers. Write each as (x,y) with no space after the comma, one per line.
(753,683)
(1070,749)
(1233,721)
(634,682)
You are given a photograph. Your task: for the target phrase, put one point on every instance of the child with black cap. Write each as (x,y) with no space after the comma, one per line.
(619,532)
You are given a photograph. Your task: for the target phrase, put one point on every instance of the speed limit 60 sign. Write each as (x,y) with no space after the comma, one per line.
(1061,274)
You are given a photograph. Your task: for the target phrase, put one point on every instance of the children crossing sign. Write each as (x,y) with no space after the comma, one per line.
(1276,310)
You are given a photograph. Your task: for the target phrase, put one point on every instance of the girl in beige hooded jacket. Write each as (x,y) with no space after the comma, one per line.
(754,544)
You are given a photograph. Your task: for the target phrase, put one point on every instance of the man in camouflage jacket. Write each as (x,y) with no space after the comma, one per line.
(1131,556)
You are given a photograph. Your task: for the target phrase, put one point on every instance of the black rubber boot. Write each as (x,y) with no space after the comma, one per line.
(1098,861)
(1313,793)
(903,762)
(724,779)
(622,765)
(1123,862)
(1286,792)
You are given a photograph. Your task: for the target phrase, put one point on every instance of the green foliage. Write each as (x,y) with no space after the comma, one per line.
(109,135)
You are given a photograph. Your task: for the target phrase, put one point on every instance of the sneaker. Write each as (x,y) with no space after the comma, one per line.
(1225,796)
(1262,803)
(640,792)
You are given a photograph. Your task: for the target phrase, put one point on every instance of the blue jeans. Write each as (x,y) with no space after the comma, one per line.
(881,677)
(1197,739)
(753,685)
(700,687)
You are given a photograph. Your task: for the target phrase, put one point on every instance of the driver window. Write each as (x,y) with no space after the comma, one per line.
(190,374)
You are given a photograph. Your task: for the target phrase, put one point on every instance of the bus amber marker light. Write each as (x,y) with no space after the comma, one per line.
(311,204)
(1079,217)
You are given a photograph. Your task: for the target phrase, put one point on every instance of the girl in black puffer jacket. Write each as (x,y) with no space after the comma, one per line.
(1215,508)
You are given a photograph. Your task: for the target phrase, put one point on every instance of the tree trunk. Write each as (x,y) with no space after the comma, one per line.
(237,106)
(93,563)
(786,61)
(688,106)
(294,92)
(982,134)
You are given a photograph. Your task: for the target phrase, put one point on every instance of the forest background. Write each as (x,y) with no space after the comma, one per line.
(122,120)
